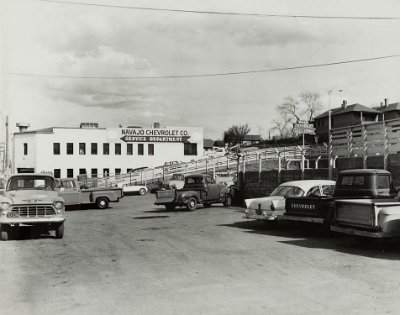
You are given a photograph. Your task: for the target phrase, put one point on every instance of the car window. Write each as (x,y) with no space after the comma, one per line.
(383,182)
(352,180)
(314,191)
(327,190)
(295,192)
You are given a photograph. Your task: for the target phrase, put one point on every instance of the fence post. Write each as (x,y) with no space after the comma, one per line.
(385,146)
(279,154)
(365,147)
(206,166)
(259,166)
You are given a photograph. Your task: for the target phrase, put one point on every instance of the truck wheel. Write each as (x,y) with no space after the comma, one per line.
(206,204)
(191,204)
(228,201)
(4,232)
(170,207)
(142,191)
(60,231)
(102,203)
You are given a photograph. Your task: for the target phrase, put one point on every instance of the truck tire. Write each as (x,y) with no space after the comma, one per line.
(4,232)
(228,201)
(191,204)
(170,207)
(60,231)
(102,203)
(142,191)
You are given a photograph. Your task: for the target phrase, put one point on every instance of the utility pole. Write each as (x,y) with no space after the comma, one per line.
(7,156)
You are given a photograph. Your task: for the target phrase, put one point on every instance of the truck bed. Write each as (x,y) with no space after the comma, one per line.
(361,212)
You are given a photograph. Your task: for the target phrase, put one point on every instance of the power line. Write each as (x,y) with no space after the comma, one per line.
(261,15)
(203,75)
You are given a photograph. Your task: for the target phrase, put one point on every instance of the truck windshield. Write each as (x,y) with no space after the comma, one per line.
(30,182)
(194,180)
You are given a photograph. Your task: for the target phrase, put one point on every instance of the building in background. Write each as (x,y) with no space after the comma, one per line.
(93,151)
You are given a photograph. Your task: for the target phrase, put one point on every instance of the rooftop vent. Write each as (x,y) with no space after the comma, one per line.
(88,125)
(344,104)
(23,127)
(156,125)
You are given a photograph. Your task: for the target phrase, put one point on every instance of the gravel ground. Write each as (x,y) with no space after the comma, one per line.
(136,258)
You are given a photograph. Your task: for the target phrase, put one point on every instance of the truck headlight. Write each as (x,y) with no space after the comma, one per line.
(58,205)
(5,205)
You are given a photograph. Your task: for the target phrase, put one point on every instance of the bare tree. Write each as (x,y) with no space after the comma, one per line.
(236,134)
(290,107)
(281,125)
(313,103)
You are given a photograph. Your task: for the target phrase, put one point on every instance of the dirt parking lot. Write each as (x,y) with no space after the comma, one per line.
(136,258)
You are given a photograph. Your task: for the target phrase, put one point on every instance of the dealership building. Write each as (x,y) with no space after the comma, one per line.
(93,151)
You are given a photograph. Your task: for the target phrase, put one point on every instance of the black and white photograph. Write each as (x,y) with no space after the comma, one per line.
(199,157)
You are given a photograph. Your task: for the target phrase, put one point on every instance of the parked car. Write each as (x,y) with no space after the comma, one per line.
(134,189)
(77,194)
(175,182)
(198,189)
(268,208)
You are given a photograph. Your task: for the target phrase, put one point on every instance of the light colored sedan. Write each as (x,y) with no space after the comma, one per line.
(133,189)
(268,208)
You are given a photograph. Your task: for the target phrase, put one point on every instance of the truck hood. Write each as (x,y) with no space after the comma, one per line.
(32,196)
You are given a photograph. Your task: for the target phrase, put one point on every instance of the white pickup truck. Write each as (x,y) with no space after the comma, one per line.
(31,199)
(72,193)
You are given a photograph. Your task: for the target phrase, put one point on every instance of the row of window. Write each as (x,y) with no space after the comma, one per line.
(106,148)
(93,172)
(189,148)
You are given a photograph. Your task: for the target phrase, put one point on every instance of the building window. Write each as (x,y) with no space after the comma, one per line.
(70,172)
(106,148)
(56,148)
(94,148)
(190,149)
(94,172)
(106,172)
(25,149)
(140,149)
(117,171)
(70,148)
(129,149)
(150,149)
(57,173)
(118,149)
(82,148)
(82,171)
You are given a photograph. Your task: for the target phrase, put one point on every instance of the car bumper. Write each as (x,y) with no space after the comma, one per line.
(264,217)
(356,232)
(32,221)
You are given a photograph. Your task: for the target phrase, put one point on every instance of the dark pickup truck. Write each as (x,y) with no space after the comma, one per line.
(197,189)
(356,184)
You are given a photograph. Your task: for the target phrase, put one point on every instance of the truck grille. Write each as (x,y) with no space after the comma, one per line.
(32,211)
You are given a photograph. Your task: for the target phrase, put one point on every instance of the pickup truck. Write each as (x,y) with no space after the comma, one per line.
(377,215)
(360,197)
(73,194)
(31,199)
(197,189)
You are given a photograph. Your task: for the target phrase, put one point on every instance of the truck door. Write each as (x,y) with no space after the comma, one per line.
(69,191)
(212,189)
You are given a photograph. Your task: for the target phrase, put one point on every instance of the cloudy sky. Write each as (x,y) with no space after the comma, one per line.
(47,47)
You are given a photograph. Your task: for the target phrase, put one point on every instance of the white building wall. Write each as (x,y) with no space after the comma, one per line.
(41,156)
(29,160)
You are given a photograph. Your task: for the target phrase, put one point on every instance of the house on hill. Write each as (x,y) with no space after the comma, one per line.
(344,116)
(388,111)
